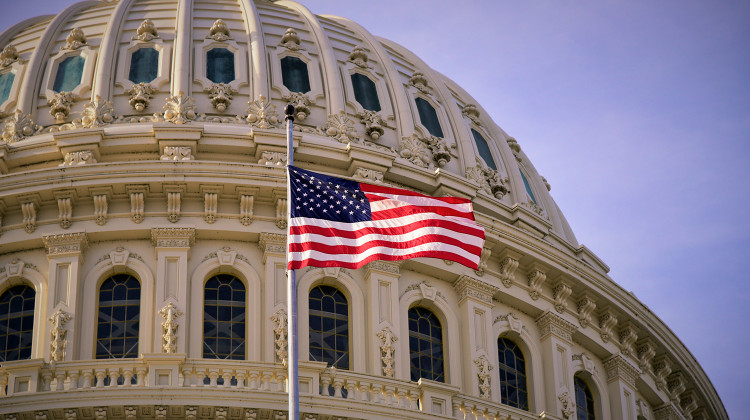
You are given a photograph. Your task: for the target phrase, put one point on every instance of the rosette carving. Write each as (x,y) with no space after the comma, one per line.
(60,105)
(220,95)
(262,113)
(373,122)
(180,109)
(97,113)
(19,126)
(140,96)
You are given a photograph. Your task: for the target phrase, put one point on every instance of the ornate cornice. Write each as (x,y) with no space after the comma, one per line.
(551,323)
(169,237)
(272,243)
(384,266)
(65,243)
(467,286)
(618,367)
(667,412)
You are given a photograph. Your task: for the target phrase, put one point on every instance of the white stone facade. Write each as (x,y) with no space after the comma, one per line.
(176,180)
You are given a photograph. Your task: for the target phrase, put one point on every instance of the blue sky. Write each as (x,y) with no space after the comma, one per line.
(637,112)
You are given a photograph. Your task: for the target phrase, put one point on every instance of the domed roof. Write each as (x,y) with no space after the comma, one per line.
(102,64)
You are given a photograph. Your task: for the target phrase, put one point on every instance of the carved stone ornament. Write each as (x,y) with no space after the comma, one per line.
(246,209)
(483,258)
(281,213)
(274,243)
(513,144)
(65,243)
(170,313)
(387,351)
(498,184)
(341,128)
(415,151)
(358,56)
(546,184)
(646,353)
(607,322)
(618,367)
(168,237)
(140,96)
(483,372)
(628,336)
(65,211)
(59,334)
(174,202)
(78,158)
(136,206)
(262,113)
(75,40)
(180,109)
(60,105)
(662,369)
(220,95)
(290,40)
(373,122)
(585,307)
(467,286)
(97,113)
(561,292)
(280,331)
(536,278)
(29,216)
(301,103)
(508,268)
(368,175)
(471,112)
(219,31)
(588,364)
(551,323)
(439,149)
(146,32)
(566,405)
(419,81)
(272,158)
(210,206)
(19,126)
(8,56)
(177,153)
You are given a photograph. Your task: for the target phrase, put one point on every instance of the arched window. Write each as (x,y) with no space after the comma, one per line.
(365,92)
(528,188)
(584,400)
(16,323)
(484,149)
(428,117)
(118,319)
(144,65)
(69,74)
(329,327)
(294,74)
(6,83)
(425,345)
(220,65)
(224,318)
(512,370)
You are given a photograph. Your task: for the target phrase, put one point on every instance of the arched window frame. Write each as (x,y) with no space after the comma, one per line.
(596,383)
(595,400)
(513,328)
(18,68)
(354,295)
(494,152)
(347,70)
(439,111)
(97,303)
(537,198)
(227,262)
(119,261)
(240,62)
(313,66)
(348,322)
(203,316)
(526,372)
(442,342)
(163,69)
(17,274)
(87,75)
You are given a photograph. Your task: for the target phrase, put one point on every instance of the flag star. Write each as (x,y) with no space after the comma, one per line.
(325,210)
(298,207)
(338,202)
(338,211)
(331,205)
(357,207)
(299,189)
(318,205)
(304,194)
(351,212)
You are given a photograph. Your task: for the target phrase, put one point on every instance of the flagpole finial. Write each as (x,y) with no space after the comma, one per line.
(289,111)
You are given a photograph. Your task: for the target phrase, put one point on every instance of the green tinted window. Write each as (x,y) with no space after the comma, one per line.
(144,65)
(528,188)
(6,82)
(69,74)
(484,149)
(428,117)
(220,65)
(294,74)
(365,92)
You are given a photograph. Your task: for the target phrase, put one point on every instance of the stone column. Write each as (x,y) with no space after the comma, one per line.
(64,253)
(621,376)
(556,339)
(172,280)
(273,246)
(382,314)
(475,312)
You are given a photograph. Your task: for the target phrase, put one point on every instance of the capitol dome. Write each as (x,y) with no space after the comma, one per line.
(143,232)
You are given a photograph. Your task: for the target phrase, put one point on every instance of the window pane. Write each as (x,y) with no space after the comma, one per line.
(144,65)
(294,74)
(428,117)
(484,149)
(528,188)
(224,318)
(220,65)
(329,326)
(69,74)
(16,323)
(118,318)
(6,82)
(365,92)
(512,374)
(425,345)
(584,400)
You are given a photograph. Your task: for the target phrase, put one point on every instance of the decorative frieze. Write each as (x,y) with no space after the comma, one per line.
(262,114)
(141,95)
(560,292)
(78,158)
(131,412)
(97,113)
(146,31)
(281,331)
(272,243)
(180,109)
(535,277)
(387,351)
(75,40)
(19,126)
(373,122)
(384,266)
(246,209)
(341,128)
(585,306)
(470,287)
(551,323)
(646,352)
(415,151)
(170,313)
(65,243)
(220,95)
(60,105)
(59,334)
(618,367)
(483,372)
(607,323)
(210,206)
(667,412)
(368,175)
(172,237)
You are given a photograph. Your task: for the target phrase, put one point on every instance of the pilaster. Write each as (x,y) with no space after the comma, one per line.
(65,256)
(381,279)
(621,376)
(172,247)
(273,246)
(475,311)
(556,339)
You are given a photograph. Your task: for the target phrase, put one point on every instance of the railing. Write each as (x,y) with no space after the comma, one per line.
(469,408)
(232,374)
(367,388)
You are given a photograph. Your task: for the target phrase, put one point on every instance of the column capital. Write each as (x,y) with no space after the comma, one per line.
(551,323)
(173,237)
(387,267)
(467,286)
(618,367)
(667,412)
(63,244)
(272,243)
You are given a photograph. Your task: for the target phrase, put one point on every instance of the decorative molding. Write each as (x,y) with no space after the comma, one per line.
(471,112)
(210,206)
(645,354)
(508,265)
(384,266)
(172,237)
(78,158)
(387,351)
(341,128)
(586,362)
(667,412)
(607,323)
(180,109)
(220,95)
(618,367)
(262,114)
(290,40)
(173,206)
(100,208)
(65,243)
(280,330)
(75,40)
(219,31)
(483,258)
(535,277)
(269,158)
(8,56)
(662,368)
(514,323)
(560,292)
(428,291)
(281,213)
(419,81)
(59,335)
(585,306)
(60,105)
(483,372)
(467,286)
(373,122)
(29,215)
(415,151)
(566,405)
(246,209)
(689,403)
(439,148)
(97,113)
(141,95)
(675,386)
(137,206)
(274,243)
(628,336)
(119,257)
(65,209)
(551,323)
(19,126)
(359,57)
(301,103)
(170,313)
(146,31)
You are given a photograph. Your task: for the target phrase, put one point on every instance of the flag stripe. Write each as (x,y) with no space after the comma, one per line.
(384,253)
(419,236)
(395,226)
(381,189)
(388,209)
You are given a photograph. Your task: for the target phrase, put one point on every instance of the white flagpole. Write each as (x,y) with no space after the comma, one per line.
(291,284)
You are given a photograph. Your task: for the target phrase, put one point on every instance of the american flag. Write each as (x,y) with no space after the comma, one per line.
(341,223)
